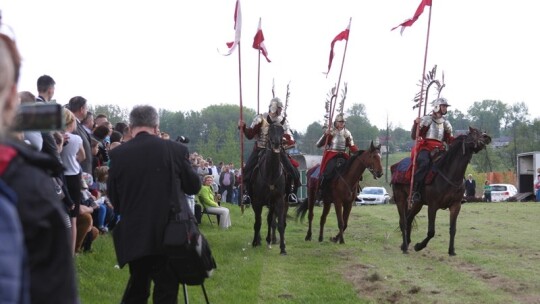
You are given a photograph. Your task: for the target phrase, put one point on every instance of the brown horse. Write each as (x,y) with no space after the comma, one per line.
(445,191)
(342,191)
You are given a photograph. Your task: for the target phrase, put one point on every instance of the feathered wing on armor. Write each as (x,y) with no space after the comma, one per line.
(430,80)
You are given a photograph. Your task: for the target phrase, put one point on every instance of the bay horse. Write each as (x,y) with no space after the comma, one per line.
(445,191)
(268,186)
(341,191)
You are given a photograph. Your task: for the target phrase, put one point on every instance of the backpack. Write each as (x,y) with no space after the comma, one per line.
(188,251)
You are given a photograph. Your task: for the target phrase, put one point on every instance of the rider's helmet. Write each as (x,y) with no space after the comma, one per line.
(437,104)
(275,103)
(340,117)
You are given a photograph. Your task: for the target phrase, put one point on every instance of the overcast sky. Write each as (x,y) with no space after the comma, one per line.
(164,53)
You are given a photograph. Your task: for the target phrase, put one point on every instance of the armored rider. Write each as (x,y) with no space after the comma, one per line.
(434,131)
(337,140)
(259,130)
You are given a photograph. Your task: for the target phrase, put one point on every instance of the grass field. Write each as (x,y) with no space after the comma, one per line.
(497,246)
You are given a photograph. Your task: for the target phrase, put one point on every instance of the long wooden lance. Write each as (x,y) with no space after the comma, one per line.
(241,119)
(420,108)
(339,78)
(333,99)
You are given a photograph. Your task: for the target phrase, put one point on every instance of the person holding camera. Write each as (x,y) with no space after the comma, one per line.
(45,265)
(146,174)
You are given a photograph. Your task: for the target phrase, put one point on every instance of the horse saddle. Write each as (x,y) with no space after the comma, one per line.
(402,172)
(329,173)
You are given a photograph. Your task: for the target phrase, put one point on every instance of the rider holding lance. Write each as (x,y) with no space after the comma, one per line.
(336,140)
(259,130)
(435,130)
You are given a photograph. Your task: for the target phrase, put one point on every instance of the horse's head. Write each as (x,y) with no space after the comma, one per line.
(477,139)
(275,137)
(374,163)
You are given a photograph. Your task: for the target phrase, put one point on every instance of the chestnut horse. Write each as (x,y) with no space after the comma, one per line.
(342,190)
(268,184)
(444,191)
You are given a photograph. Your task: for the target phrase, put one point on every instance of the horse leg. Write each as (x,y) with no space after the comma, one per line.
(311,202)
(339,214)
(346,213)
(257,226)
(282,224)
(403,226)
(326,209)
(432,214)
(271,227)
(408,218)
(454,212)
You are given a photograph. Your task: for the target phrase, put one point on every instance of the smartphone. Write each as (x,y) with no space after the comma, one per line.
(39,117)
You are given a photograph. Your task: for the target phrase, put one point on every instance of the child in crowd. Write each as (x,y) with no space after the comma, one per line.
(102,175)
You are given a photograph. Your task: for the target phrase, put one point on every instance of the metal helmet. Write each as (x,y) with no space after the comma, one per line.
(437,104)
(275,103)
(339,117)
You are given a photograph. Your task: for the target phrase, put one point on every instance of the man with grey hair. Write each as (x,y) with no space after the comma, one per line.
(146,175)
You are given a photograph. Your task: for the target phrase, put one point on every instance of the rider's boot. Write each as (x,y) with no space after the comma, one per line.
(246,199)
(415,197)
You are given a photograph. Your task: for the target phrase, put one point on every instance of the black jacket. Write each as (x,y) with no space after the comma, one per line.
(46,236)
(140,187)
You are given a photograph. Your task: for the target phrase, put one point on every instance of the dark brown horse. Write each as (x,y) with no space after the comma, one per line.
(445,191)
(342,191)
(268,184)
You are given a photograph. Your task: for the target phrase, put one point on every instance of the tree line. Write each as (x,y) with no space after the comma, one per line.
(213,131)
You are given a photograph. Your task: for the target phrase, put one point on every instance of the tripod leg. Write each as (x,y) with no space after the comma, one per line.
(186,300)
(205,295)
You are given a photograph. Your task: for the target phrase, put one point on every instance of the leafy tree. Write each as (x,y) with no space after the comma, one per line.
(309,142)
(114,112)
(458,120)
(488,115)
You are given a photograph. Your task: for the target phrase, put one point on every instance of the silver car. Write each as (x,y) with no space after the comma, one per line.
(373,196)
(502,192)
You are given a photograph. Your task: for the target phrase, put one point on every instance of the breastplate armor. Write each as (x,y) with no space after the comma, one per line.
(437,127)
(339,139)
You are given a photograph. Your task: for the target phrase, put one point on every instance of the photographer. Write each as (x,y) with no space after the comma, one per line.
(48,263)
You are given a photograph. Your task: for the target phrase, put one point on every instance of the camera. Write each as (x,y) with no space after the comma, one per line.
(39,117)
(182,139)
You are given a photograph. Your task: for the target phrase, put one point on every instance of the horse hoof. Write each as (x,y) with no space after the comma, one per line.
(320,239)
(308,238)
(452,254)
(418,247)
(283,252)
(333,239)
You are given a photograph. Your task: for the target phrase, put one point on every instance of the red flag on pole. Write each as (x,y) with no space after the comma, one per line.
(341,36)
(258,42)
(417,14)
(238,27)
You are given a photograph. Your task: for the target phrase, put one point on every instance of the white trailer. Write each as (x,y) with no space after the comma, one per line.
(528,166)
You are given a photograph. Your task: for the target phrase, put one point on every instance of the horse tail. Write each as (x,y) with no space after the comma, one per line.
(301,209)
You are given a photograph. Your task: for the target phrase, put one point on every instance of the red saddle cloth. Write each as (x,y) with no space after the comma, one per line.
(402,173)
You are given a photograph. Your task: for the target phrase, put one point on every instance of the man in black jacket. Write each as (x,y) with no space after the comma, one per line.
(46,87)
(143,175)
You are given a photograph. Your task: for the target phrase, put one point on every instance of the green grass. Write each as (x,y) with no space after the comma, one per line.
(498,261)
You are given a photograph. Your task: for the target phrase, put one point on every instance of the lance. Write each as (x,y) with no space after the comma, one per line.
(420,108)
(333,99)
(340,74)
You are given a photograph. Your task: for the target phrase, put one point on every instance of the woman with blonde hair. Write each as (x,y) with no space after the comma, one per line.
(207,199)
